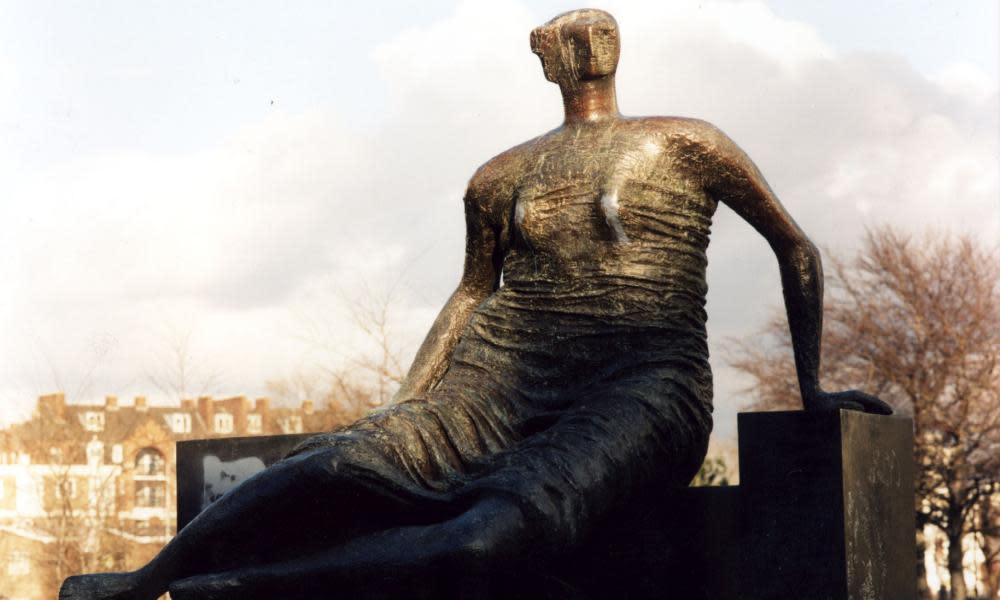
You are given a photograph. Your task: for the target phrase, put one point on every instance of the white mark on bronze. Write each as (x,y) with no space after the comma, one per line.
(610,206)
(519,213)
(629,165)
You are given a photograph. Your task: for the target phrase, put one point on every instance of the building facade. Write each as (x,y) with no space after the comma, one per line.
(92,487)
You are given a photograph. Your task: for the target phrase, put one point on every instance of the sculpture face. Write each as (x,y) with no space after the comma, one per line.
(545,46)
(577,46)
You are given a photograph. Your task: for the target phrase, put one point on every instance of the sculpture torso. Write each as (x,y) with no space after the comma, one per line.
(604,227)
(618,196)
(594,192)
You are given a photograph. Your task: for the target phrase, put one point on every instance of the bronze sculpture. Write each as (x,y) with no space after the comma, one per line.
(534,406)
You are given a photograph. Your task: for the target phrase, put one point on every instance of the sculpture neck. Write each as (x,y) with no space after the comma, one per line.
(590,100)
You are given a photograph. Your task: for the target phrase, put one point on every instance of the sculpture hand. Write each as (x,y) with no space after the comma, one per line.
(850,400)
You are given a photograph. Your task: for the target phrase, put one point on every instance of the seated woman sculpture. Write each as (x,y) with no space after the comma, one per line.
(536,404)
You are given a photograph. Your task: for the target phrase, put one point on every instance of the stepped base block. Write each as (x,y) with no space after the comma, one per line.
(828,506)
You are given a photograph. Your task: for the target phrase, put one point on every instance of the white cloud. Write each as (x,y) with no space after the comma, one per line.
(967,81)
(237,238)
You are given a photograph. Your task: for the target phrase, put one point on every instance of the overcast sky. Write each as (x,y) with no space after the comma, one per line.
(229,170)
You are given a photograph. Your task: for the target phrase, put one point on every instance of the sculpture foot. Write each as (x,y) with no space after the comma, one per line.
(101,586)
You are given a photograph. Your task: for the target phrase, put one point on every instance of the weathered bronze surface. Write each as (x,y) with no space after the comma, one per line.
(535,406)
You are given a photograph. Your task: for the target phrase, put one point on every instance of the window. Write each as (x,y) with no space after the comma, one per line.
(149,462)
(8,490)
(180,422)
(223,422)
(19,563)
(95,452)
(117,454)
(292,424)
(65,488)
(150,494)
(255,423)
(93,421)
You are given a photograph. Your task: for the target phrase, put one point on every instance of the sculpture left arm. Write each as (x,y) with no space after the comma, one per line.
(733,179)
(480,278)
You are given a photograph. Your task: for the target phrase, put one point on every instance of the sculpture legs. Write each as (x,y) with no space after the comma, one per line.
(362,506)
(484,538)
(298,507)
(298,504)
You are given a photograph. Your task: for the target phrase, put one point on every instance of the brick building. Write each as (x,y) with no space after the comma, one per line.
(92,487)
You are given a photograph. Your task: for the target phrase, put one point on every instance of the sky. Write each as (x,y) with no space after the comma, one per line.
(225,177)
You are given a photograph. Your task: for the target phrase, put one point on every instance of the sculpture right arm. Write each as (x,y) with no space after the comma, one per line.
(480,278)
(734,179)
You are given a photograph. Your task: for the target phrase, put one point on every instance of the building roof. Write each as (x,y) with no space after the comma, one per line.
(68,427)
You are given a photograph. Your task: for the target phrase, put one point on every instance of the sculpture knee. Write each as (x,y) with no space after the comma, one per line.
(491,533)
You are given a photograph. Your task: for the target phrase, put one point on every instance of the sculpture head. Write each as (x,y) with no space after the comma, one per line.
(577,46)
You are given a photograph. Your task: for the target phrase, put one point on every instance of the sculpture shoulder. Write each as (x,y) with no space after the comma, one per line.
(700,148)
(694,133)
(503,168)
(493,183)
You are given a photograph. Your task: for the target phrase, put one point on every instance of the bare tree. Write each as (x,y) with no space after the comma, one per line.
(77,507)
(917,322)
(360,376)
(988,537)
(372,315)
(76,513)
(350,398)
(178,372)
(298,386)
(346,398)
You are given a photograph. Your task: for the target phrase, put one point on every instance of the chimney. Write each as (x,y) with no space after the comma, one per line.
(187,404)
(308,407)
(140,403)
(110,403)
(206,408)
(53,404)
(262,406)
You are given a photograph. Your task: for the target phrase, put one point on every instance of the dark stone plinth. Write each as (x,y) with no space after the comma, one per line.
(824,511)
(827,506)
(664,545)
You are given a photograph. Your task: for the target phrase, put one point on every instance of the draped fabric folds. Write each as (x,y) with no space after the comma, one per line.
(572,385)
